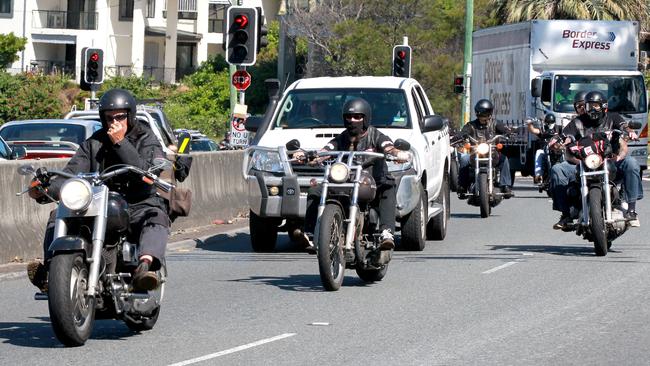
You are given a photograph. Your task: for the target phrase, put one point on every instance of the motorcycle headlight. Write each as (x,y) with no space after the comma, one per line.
(339,172)
(266,161)
(483,148)
(76,194)
(593,161)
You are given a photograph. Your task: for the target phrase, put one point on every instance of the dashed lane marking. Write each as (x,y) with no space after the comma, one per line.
(505,265)
(233,350)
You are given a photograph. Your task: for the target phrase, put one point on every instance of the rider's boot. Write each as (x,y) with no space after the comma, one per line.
(37,275)
(144,279)
(386,240)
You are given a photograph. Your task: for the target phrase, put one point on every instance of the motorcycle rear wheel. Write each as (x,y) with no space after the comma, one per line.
(72,312)
(484,198)
(372,275)
(597,221)
(331,239)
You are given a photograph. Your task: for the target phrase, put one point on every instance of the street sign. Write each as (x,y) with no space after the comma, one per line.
(241,80)
(238,134)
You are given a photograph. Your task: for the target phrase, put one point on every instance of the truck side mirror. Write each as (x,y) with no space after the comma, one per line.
(536,88)
(272,88)
(433,123)
(253,123)
(547,91)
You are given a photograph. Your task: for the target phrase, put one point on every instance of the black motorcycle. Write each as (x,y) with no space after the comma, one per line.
(482,191)
(91,265)
(347,231)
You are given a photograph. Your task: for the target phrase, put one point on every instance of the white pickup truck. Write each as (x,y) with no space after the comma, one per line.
(310,110)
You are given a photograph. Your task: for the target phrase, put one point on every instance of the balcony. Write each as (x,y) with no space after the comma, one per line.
(64,19)
(186,9)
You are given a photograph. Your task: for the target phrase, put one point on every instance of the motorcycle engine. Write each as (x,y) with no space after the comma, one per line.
(619,225)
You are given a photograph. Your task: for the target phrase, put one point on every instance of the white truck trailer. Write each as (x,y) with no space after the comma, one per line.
(522,68)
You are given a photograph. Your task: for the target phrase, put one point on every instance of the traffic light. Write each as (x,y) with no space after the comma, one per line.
(241,40)
(94,65)
(262,30)
(459,84)
(402,61)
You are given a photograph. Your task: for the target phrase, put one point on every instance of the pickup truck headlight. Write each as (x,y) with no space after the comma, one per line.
(593,161)
(266,161)
(339,173)
(76,194)
(483,148)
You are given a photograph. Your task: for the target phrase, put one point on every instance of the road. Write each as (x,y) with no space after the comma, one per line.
(503,290)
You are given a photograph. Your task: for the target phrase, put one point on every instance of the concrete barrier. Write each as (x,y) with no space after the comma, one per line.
(218,192)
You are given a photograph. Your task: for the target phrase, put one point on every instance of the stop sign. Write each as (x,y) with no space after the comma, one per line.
(241,80)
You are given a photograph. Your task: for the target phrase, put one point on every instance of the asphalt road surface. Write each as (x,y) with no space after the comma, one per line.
(506,290)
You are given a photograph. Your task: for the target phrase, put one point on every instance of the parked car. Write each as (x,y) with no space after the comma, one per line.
(48,138)
(8,153)
(203,144)
(151,116)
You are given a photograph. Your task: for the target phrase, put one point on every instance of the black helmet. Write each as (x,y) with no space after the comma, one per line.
(358,105)
(549,119)
(483,108)
(593,99)
(579,97)
(117,99)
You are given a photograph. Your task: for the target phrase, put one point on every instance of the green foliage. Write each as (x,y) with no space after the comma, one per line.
(10,45)
(28,96)
(202,103)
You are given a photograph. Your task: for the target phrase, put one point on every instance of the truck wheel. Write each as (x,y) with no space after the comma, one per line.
(264,233)
(437,227)
(453,176)
(414,225)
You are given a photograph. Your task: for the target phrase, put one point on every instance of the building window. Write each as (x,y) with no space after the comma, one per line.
(5,8)
(151,8)
(126,10)
(217,14)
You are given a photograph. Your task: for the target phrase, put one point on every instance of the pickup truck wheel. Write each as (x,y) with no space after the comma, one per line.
(437,227)
(414,225)
(264,233)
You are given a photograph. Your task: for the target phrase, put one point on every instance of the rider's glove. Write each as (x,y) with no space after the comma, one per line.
(404,156)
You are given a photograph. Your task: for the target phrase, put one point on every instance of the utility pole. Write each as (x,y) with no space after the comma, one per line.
(467,67)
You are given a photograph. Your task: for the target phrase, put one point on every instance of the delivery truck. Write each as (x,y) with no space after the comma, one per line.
(535,68)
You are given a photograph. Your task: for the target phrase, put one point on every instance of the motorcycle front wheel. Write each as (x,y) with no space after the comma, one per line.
(483,195)
(72,311)
(597,221)
(331,239)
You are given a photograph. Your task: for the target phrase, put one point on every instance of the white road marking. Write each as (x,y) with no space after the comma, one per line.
(233,350)
(322,324)
(505,265)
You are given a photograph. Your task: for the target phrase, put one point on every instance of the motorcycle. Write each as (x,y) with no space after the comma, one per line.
(552,157)
(481,191)
(347,233)
(601,217)
(91,261)
(457,144)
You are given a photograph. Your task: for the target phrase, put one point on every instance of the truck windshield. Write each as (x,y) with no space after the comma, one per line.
(625,94)
(322,108)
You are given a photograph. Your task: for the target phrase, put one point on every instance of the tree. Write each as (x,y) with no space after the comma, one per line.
(10,45)
(513,11)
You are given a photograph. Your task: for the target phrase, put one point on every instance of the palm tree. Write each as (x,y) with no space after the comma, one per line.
(513,11)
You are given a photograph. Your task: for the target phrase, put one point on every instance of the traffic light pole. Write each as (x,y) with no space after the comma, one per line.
(467,67)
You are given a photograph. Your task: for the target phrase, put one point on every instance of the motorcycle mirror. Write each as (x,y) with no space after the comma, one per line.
(183,145)
(26,169)
(402,144)
(635,125)
(293,145)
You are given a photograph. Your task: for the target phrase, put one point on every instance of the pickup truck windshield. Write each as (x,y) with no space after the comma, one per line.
(322,108)
(625,94)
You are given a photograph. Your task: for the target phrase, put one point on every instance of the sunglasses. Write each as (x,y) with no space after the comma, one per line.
(116,117)
(354,116)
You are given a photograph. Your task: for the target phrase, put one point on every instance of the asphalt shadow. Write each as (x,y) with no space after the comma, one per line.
(241,243)
(302,282)
(564,250)
(39,333)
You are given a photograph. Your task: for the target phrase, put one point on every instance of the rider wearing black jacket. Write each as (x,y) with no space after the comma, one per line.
(122,140)
(596,122)
(483,128)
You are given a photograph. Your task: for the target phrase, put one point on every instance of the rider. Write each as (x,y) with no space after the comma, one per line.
(122,140)
(359,135)
(484,128)
(563,93)
(597,119)
(547,131)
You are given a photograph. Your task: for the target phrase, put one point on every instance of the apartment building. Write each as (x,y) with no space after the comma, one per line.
(164,39)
